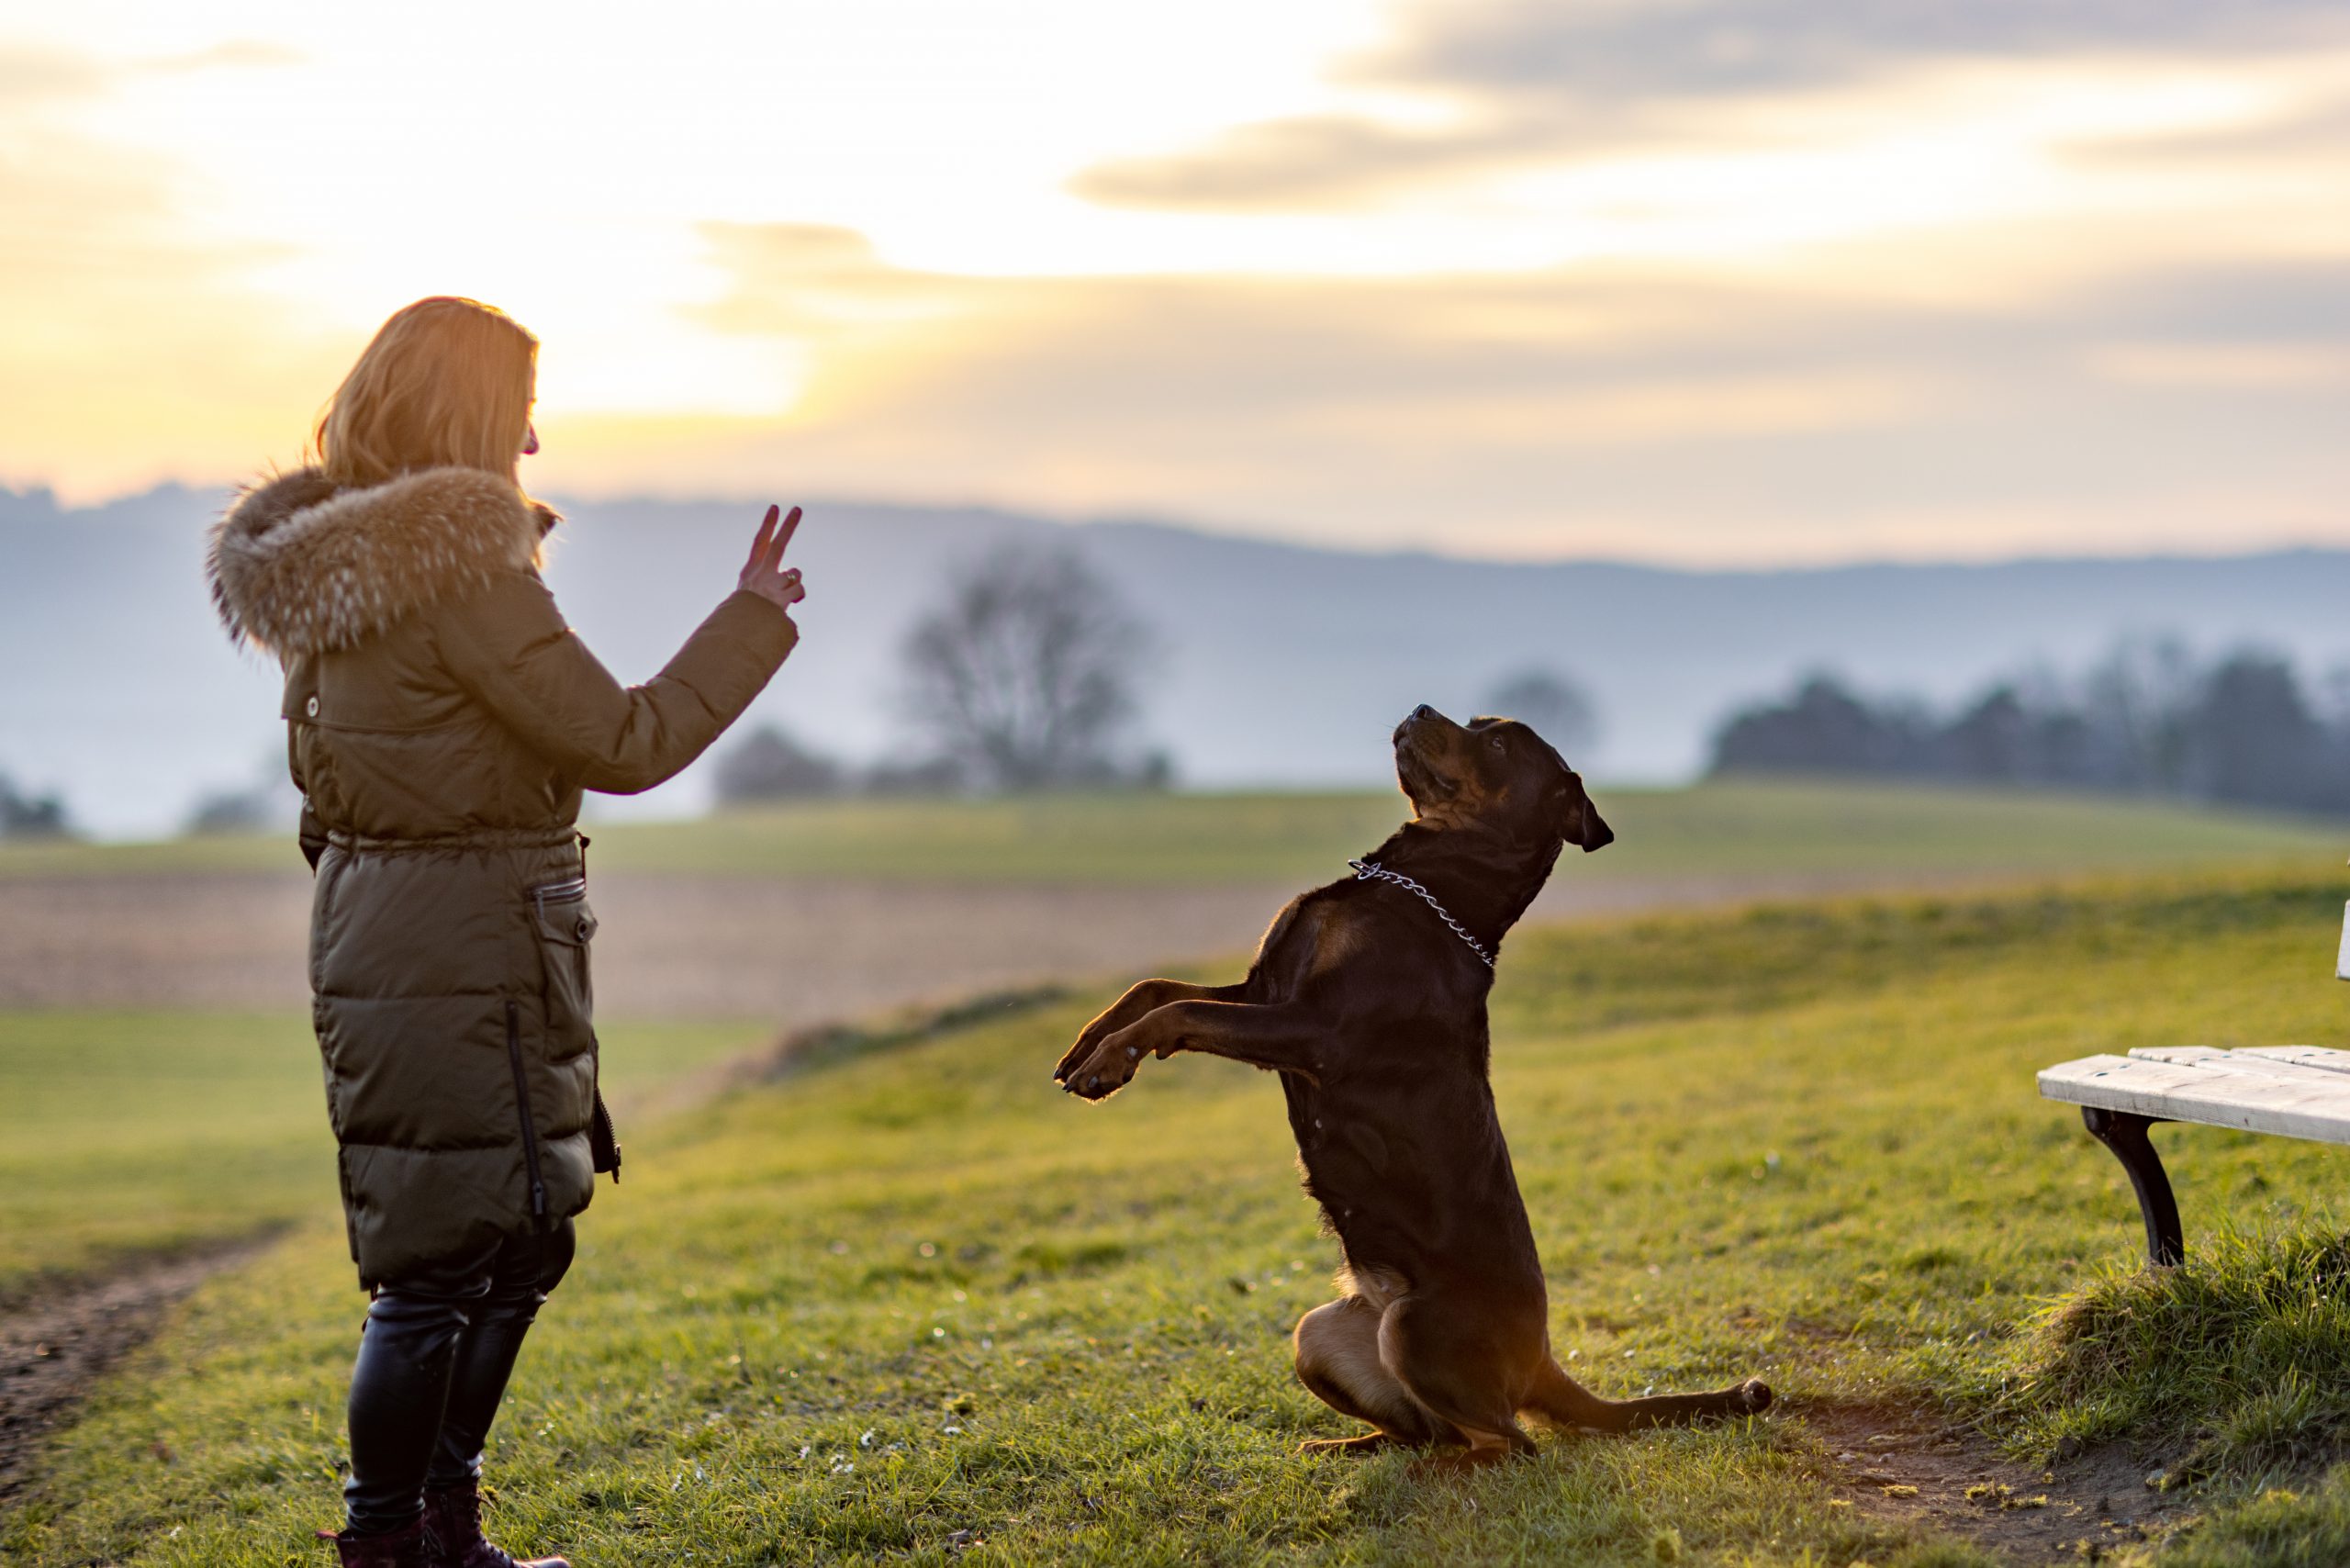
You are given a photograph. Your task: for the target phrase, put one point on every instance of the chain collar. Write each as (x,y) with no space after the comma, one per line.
(1371,871)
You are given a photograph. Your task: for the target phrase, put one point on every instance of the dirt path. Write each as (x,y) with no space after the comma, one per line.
(797,953)
(56,1344)
(1907,1467)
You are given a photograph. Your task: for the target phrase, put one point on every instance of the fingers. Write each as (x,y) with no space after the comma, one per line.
(760,542)
(782,540)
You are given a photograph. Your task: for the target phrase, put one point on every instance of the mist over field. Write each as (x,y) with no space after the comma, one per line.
(1275,664)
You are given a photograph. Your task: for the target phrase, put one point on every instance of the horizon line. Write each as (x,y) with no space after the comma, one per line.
(1275,537)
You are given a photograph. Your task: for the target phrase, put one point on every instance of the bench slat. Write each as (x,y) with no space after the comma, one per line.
(2258,1063)
(2308,1056)
(2302,1105)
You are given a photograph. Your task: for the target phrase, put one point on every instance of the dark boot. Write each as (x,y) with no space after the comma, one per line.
(454,1516)
(408,1548)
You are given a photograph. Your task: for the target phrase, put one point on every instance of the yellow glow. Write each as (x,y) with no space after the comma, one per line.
(839,244)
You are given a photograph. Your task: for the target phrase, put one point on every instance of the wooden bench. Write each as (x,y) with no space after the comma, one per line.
(2292,1090)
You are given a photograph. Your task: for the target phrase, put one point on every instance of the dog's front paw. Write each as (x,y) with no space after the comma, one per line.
(1108,1069)
(1089,1043)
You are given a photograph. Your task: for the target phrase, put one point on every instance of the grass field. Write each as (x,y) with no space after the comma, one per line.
(1730,828)
(129,1132)
(917,1305)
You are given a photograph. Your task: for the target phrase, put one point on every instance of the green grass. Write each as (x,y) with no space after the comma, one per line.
(1801,1142)
(1743,827)
(2281,1528)
(2246,1349)
(131,1132)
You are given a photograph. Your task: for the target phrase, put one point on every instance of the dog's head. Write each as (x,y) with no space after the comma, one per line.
(1494,774)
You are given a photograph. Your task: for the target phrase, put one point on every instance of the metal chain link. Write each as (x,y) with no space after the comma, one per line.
(1366,870)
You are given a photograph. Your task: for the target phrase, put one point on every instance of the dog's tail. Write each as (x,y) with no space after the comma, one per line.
(1567,1403)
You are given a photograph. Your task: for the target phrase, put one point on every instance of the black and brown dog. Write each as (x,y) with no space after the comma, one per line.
(1368,997)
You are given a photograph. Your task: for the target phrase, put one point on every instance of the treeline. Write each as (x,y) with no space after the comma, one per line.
(773,764)
(27,815)
(2148,719)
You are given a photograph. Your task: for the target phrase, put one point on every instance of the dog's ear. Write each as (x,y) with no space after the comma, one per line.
(1580,822)
(1596,833)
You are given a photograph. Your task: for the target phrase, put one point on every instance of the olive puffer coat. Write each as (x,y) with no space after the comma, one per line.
(444,721)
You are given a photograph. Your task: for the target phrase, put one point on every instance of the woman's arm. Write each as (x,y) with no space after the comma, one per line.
(511,649)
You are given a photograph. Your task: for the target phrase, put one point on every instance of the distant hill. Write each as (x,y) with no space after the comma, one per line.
(1281,665)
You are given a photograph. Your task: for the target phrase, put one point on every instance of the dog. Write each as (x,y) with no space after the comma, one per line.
(1368,997)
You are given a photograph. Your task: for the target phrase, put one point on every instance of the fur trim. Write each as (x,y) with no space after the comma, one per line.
(298,566)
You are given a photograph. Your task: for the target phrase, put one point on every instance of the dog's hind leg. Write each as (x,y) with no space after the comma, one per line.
(1338,1360)
(1457,1372)
(1570,1403)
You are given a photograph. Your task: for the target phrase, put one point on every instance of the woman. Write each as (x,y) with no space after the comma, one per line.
(443,722)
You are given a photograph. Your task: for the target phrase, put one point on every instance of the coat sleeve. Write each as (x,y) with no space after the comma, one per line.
(509,649)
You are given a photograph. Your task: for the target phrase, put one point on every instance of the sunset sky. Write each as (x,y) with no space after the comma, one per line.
(1693,281)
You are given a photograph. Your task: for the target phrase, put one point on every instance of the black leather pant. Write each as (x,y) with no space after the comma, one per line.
(432,1366)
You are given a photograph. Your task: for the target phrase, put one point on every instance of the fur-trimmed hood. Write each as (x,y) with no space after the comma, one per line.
(298,566)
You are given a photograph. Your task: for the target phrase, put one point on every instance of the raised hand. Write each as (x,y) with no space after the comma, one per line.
(764,573)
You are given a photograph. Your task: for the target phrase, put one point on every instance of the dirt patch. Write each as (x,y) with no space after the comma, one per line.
(804,954)
(795,951)
(1908,1467)
(56,1343)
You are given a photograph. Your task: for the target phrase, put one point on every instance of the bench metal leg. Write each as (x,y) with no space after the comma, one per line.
(2126,1134)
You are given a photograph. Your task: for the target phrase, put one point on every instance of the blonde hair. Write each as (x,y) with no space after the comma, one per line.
(445,383)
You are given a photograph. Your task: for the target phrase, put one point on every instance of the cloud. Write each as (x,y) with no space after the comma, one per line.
(231,54)
(118,314)
(1321,162)
(810,278)
(1515,84)
(2247,366)
(1625,54)
(30,76)
(1625,410)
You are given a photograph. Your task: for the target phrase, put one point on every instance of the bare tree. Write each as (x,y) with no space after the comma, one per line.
(2138,696)
(1560,712)
(1024,674)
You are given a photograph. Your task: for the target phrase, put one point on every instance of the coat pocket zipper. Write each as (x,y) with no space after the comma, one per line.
(558,893)
(522,1105)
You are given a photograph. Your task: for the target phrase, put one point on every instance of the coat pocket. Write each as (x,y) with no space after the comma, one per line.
(565,927)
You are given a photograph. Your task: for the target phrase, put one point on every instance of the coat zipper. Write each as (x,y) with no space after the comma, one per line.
(558,893)
(522,1104)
